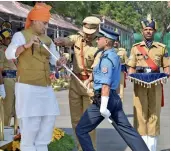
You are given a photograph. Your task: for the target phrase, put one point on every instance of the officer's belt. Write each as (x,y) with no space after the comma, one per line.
(99,91)
(146,70)
(9,73)
(82,77)
(97,97)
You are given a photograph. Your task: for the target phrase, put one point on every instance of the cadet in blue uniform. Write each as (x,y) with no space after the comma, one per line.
(106,102)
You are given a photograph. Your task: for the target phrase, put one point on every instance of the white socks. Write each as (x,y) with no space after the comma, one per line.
(145,139)
(151,142)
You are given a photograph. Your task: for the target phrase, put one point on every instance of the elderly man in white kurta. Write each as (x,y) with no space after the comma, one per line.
(36,104)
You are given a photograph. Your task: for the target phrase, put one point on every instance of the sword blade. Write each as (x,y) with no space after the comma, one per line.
(65,66)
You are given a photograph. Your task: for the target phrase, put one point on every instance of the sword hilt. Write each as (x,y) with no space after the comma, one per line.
(41,43)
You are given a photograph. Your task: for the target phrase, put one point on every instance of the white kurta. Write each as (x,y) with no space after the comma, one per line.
(32,100)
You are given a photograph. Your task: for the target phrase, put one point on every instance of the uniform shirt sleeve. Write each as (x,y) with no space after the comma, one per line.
(2,58)
(17,40)
(106,68)
(73,38)
(53,60)
(166,59)
(132,59)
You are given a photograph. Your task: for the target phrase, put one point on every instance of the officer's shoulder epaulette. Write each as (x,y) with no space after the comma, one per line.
(80,33)
(136,44)
(97,52)
(122,49)
(104,55)
(160,44)
(108,57)
(111,55)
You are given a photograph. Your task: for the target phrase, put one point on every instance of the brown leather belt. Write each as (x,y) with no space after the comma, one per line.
(82,77)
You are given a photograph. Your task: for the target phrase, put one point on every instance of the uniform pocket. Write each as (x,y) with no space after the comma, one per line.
(89,62)
(139,56)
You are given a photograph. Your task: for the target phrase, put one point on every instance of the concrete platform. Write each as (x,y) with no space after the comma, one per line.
(8,138)
(107,137)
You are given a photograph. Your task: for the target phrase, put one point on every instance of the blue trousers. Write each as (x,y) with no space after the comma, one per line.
(92,118)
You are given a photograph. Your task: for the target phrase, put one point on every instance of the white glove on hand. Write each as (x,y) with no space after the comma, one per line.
(2,91)
(103,107)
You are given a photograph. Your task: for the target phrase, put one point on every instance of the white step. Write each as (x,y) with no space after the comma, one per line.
(8,136)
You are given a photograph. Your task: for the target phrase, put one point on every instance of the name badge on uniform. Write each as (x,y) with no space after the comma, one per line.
(104,69)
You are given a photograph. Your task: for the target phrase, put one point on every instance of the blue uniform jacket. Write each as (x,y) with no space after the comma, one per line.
(108,70)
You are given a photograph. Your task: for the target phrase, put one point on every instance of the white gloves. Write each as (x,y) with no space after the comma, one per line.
(2,91)
(103,107)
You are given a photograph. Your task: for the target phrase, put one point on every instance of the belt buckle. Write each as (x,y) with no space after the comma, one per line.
(148,70)
(145,57)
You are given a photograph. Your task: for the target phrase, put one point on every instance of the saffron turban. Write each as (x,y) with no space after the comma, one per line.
(40,12)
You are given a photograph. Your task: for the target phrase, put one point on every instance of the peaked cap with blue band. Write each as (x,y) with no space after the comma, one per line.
(103,32)
(149,22)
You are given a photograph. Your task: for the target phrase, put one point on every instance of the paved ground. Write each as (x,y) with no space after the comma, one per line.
(107,138)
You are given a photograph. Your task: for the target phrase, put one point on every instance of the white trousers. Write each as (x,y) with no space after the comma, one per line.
(36,132)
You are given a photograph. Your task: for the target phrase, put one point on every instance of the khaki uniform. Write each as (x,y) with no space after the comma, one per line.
(9,84)
(147,101)
(123,58)
(79,100)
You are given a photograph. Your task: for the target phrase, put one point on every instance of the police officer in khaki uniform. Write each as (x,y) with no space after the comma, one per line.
(147,101)
(84,50)
(8,76)
(122,53)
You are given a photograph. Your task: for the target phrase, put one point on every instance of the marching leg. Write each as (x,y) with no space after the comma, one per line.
(122,125)
(88,122)
(129,134)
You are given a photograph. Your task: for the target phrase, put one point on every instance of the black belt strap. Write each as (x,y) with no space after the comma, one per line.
(9,73)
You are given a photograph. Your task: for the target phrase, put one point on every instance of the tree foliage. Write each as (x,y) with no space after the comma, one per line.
(128,13)
(122,12)
(159,10)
